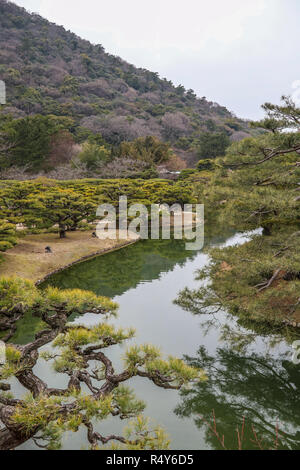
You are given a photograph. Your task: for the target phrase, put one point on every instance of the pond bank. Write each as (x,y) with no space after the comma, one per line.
(28,259)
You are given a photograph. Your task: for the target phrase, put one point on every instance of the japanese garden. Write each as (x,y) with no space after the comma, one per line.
(133,344)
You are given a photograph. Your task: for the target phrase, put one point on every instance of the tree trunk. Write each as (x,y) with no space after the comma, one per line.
(13,436)
(267,230)
(62,231)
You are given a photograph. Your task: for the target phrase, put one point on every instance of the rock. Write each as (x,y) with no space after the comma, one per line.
(4,387)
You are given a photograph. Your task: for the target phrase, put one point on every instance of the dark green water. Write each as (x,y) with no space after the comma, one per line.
(260,384)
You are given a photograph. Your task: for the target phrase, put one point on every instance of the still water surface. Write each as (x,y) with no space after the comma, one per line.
(260,383)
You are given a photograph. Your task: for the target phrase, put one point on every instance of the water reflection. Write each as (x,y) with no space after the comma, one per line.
(145,280)
(122,270)
(125,269)
(263,390)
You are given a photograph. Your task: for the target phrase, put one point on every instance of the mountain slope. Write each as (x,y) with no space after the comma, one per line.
(49,70)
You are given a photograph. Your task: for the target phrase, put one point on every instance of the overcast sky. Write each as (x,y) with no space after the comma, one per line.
(239,53)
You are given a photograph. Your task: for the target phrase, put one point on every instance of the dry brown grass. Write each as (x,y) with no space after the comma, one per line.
(29,260)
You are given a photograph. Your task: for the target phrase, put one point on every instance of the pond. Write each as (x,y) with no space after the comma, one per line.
(260,384)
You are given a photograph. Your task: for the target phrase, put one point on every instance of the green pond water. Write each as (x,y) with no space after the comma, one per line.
(260,384)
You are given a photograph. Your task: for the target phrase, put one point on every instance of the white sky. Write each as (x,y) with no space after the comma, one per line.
(239,53)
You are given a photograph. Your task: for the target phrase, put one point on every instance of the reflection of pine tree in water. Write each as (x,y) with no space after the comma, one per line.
(117,272)
(263,390)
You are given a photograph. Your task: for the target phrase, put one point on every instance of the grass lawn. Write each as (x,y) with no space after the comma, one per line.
(29,260)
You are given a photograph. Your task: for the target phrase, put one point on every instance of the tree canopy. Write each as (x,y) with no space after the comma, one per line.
(212,145)
(256,187)
(62,207)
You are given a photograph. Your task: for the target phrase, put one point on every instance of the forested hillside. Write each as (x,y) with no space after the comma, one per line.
(51,71)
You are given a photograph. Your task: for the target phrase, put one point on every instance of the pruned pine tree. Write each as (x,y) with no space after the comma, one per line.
(79,352)
(257,187)
(8,236)
(62,207)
